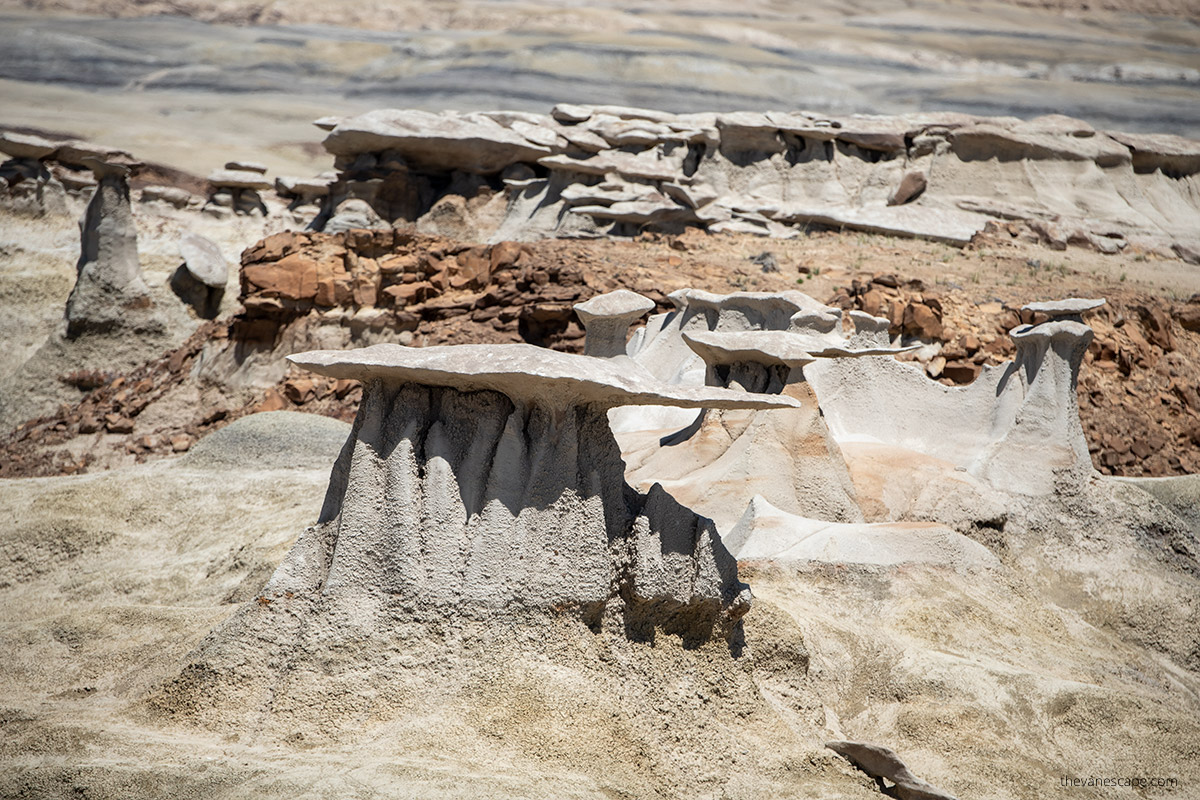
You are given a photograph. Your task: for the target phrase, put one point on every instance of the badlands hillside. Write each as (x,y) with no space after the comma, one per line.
(574,411)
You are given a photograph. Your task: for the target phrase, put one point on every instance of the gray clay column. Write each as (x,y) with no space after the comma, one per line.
(1045,444)
(109,291)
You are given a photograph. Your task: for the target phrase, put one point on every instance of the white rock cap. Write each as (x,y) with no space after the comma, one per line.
(777,347)
(790,301)
(758,347)
(1070,307)
(526,373)
(238,179)
(617,305)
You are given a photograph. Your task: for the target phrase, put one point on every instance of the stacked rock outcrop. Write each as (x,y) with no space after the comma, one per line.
(392,281)
(613,170)
(235,189)
(304,191)
(788,457)
(42,174)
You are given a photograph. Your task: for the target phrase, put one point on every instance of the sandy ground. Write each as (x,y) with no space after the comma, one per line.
(1075,659)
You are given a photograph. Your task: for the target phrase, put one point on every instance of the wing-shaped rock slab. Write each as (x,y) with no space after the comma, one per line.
(525,374)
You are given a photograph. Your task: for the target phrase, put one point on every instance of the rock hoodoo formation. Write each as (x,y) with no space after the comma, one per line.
(486,476)
(109,292)
(613,170)
(607,318)
(1016,426)
(659,348)
(482,480)
(787,456)
(235,189)
(26,176)
(1045,430)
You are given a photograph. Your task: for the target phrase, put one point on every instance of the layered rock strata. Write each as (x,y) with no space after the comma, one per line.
(612,170)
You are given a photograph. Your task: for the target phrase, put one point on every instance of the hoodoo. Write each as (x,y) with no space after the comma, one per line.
(480,479)
(788,457)
(607,318)
(109,292)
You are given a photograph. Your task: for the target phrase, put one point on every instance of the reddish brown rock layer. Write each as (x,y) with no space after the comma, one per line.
(443,290)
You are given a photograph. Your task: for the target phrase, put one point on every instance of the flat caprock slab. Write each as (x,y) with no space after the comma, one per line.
(526,373)
(620,304)
(776,347)
(1072,306)
(759,347)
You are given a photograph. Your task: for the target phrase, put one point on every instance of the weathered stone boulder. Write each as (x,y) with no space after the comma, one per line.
(237,189)
(883,764)
(200,280)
